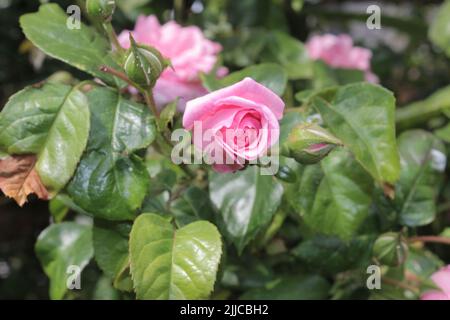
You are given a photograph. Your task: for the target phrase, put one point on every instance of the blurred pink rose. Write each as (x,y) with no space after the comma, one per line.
(339,52)
(187,48)
(442,279)
(242,121)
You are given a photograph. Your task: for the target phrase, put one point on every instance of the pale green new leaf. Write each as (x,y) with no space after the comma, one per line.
(173,264)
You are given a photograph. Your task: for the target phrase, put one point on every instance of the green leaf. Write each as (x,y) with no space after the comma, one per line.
(270,75)
(173,264)
(326,76)
(51,121)
(423,162)
(194,204)
(247,202)
(332,255)
(333,197)
(362,116)
(111,181)
(288,52)
(439,31)
(421,111)
(443,133)
(82,48)
(58,209)
(311,287)
(61,246)
(110,241)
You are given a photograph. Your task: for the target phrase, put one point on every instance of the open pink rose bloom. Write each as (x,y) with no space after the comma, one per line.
(241,121)
(189,52)
(442,279)
(339,52)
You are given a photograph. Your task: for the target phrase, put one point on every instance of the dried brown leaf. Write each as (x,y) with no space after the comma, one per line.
(19,178)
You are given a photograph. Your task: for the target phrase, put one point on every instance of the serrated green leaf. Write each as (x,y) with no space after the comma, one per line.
(51,121)
(423,161)
(111,181)
(60,246)
(270,75)
(173,264)
(246,201)
(333,197)
(82,48)
(362,116)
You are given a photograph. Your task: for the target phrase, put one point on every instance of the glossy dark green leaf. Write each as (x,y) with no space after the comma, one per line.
(110,241)
(423,162)
(333,197)
(111,181)
(82,48)
(362,116)
(192,205)
(60,246)
(51,121)
(246,201)
(270,75)
(309,287)
(332,255)
(173,264)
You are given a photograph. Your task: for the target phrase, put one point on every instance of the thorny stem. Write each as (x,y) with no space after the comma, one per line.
(435,239)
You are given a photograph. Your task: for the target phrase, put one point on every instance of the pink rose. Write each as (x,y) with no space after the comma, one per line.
(442,279)
(339,52)
(240,122)
(188,50)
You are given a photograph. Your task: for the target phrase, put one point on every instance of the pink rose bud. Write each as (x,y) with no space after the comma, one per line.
(339,52)
(442,279)
(235,124)
(189,51)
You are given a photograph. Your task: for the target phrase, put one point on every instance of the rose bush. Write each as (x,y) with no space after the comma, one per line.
(355,205)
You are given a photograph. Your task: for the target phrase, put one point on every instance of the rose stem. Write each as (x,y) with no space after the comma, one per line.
(117,74)
(399,284)
(435,239)
(148,95)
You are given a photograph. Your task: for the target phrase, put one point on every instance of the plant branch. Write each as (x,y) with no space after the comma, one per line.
(434,239)
(399,284)
(148,96)
(117,74)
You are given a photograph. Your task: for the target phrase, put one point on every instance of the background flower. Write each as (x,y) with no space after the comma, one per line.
(338,51)
(442,279)
(188,50)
